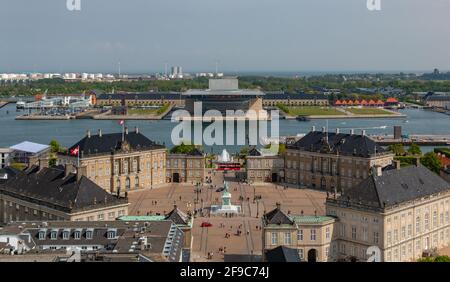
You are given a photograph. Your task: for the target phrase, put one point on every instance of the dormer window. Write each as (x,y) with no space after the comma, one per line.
(111,234)
(89,234)
(42,234)
(66,234)
(77,234)
(54,234)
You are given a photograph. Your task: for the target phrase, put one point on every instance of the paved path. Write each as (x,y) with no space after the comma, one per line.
(212,238)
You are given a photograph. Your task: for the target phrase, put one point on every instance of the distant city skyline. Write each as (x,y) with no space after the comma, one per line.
(252,36)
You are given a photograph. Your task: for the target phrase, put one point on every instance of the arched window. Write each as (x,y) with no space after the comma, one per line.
(136,182)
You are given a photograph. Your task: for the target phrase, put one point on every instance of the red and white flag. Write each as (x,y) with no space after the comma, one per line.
(75,151)
(121,122)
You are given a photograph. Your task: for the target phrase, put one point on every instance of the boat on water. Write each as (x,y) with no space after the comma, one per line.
(20,105)
(302,118)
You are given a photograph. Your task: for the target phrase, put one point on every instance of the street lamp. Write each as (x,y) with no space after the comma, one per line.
(257,205)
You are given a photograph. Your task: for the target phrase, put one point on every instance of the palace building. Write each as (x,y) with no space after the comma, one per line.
(264,166)
(328,161)
(310,235)
(188,167)
(42,193)
(404,212)
(119,162)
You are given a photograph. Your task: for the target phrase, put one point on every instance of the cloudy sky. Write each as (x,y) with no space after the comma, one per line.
(242,35)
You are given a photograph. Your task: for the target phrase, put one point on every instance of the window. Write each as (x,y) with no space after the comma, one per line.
(274,238)
(365,234)
(42,234)
(300,254)
(66,234)
(127,184)
(435,219)
(395,235)
(313,234)
(287,238)
(409,230)
(136,182)
(89,233)
(354,232)
(417,224)
(100,216)
(389,237)
(77,234)
(54,234)
(342,230)
(376,237)
(111,234)
(403,232)
(300,235)
(427,221)
(327,233)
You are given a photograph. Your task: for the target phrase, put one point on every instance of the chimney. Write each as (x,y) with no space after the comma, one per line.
(278,205)
(43,163)
(363,132)
(377,170)
(126,130)
(396,164)
(68,169)
(337,130)
(352,131)
(313,128)
(416,161)
(99,133)
(88,133)
(81,170)
(136,129)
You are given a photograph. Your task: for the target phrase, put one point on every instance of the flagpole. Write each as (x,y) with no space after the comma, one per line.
(123,130)
(78,156)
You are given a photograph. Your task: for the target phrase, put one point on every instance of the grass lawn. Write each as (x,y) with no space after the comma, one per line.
(313,111)
(148,111)
(368,111)
(142,112)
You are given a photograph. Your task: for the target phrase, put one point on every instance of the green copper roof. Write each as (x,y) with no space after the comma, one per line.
(310,218)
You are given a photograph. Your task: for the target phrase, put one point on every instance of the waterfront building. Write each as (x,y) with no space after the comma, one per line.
(132,241)
(310,235)
(119,162)
(189,168)
(404,212)
(332,161)
(29,153)
(438,101)
(295,99)
(263,165)
(140,99)
(43,193)
(224,95)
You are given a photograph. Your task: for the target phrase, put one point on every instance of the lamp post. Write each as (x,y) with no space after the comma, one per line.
(197,191)
(257,205)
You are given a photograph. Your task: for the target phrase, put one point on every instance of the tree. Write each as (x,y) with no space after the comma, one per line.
(397,149)
(414,149)
(54,146)
(432,162)
(435,259)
